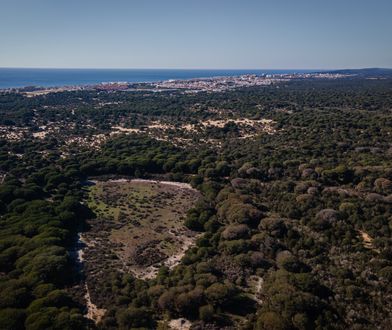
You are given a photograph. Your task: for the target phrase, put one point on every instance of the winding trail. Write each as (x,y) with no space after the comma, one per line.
(93,312)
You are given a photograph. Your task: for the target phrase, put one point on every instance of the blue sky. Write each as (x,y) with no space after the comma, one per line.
(267,34)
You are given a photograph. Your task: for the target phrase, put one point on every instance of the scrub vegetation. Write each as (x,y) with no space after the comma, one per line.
(285,228)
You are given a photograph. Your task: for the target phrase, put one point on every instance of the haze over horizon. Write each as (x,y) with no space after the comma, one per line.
(196,34)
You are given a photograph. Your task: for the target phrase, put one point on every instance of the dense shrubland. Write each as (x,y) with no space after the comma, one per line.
(296,226)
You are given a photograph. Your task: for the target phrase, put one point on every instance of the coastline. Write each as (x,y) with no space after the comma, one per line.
(187,85)
(20,78)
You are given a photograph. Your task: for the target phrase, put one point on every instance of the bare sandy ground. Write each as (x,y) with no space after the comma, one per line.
(264,125)
(93,312)
(181,185)
(180,324)
(368,241)
(39,135)
(256,284)
(174,260)
(119,129)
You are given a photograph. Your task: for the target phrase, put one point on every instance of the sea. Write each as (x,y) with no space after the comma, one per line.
(23,77)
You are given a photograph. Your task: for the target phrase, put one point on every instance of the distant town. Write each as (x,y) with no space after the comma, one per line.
(213,84)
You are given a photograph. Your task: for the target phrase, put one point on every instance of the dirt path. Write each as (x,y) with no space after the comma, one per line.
(174,260)
(93,312)
(256,285)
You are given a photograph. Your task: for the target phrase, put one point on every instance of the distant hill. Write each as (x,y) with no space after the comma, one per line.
(366,72)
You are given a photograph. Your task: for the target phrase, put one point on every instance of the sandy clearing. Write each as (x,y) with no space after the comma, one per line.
(181,238)
(366,238)
(189,127)
(367,241)
(180,324)
(160,125)
(39,135)
(119,129)
(244,121)
(256,284)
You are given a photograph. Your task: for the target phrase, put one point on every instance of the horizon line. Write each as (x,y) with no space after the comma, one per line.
(196,69)
(152,68)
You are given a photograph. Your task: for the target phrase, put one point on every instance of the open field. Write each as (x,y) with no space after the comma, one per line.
(142,222)
(139,227)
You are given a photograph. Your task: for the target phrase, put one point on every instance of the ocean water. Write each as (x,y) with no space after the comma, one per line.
(21,77)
